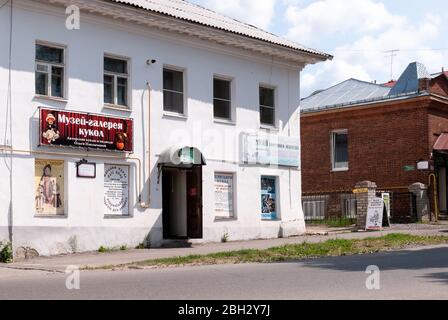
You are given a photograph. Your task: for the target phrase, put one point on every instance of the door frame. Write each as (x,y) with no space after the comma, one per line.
(193,210)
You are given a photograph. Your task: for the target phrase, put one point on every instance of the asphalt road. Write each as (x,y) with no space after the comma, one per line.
(408,274)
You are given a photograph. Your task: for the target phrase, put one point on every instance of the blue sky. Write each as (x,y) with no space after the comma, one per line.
(356,32)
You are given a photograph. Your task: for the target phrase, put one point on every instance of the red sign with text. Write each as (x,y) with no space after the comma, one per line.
(85,130)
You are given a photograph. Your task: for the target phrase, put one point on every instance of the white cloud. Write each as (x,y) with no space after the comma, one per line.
(327,17)
(255,12)
(363,55)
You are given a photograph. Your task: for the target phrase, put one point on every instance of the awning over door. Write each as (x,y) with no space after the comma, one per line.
(181,157)
(441,144)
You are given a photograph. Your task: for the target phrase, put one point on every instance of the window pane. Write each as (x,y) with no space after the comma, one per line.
(267,116)
(221,89)
(109,89)
(115,65)
(41,83)
(340,150)
(48,54)
(173,102)
(122,88)
(173,80)
(57,75)
(221,109)
(266,97)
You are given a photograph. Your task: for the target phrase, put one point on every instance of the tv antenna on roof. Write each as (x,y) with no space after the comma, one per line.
(392,54)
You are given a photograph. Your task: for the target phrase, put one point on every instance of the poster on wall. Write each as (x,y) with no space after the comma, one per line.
(116,190)
(49,187)
(268,198)
(85,130)
(224,195)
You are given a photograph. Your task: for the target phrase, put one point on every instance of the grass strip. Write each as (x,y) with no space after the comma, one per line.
(291,252)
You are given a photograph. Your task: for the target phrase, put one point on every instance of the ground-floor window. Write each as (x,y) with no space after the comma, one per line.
(269,209)
(116,190)
(314,209)
(224,195)
(49,186)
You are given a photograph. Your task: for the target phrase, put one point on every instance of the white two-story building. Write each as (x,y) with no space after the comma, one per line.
(146,122)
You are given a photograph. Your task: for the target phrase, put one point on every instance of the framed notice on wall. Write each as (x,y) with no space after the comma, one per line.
(224,194)
(116,190)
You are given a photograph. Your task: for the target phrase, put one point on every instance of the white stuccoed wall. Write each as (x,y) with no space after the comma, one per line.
(85,220)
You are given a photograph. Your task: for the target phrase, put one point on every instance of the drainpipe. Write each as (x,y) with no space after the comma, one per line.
(143,204)
(433,177)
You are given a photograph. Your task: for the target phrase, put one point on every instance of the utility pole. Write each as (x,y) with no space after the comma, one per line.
(392,54)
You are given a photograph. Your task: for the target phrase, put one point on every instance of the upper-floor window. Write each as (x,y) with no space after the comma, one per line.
(222,99)
(339,157)
(116,76)
(267,106)
(173,91)
(50,65)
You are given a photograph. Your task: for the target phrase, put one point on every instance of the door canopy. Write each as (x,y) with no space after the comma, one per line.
(182,157)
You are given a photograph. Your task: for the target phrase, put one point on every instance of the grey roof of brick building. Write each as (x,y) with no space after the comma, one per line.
(197,14)
(353,92)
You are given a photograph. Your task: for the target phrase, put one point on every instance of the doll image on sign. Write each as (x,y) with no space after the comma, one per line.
(51,133)
(48,198)
(121,140)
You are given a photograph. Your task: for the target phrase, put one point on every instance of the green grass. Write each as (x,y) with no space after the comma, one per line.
(338,247)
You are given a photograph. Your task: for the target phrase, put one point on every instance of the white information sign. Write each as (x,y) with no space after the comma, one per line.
(116,190)
(374,219)
(224,195)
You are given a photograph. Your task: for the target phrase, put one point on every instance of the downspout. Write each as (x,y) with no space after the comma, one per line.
(147,205)
(433,178)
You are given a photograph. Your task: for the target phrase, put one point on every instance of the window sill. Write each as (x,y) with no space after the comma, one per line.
(173,115)
(51,216)
(268,127)
(50,98)
(117,217)
(117,107)
(340,170)
(225,219)
(224,121)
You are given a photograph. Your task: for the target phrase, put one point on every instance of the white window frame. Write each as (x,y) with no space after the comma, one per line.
(273,88)
(232,98)
(184,112)
(234,211)
(49,72)
(115,76)
(333,149)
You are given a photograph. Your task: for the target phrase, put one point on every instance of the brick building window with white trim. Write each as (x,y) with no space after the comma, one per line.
(339,150)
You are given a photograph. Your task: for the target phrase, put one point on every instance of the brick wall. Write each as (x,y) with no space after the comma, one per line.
(382,141)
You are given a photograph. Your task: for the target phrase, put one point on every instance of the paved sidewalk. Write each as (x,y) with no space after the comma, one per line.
(95,259)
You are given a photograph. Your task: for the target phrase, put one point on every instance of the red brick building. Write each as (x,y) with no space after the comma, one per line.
(357,131)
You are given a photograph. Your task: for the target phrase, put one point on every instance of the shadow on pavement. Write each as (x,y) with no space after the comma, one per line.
(397,260)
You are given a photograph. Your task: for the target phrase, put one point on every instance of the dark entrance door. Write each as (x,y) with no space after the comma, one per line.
(194,203)
(182,203)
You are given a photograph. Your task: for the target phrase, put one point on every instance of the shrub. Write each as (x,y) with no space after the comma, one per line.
(6,254)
